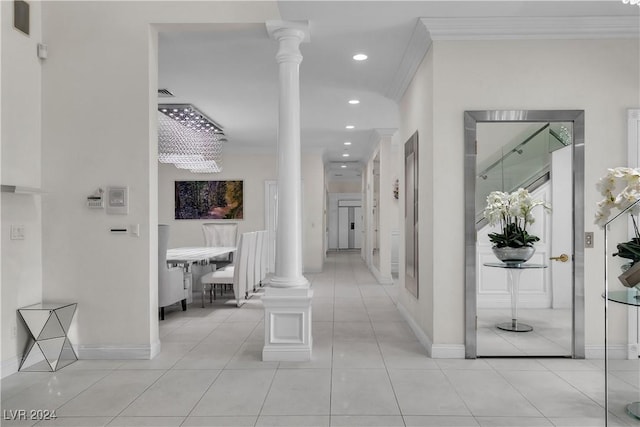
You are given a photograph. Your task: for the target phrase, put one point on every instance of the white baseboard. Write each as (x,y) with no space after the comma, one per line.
(435,351)
(156,347)
(447,351)
(618,351)
(289,354)
(383,280)
(143,352)
(9,367)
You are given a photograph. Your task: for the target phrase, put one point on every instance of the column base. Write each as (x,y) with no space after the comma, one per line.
(288,282)
(287,324)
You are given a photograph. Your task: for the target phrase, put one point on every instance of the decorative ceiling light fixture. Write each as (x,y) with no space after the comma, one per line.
(189,139)
(634,2)
(360,57)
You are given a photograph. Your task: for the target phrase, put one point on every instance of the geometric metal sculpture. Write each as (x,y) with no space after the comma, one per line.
(49,348)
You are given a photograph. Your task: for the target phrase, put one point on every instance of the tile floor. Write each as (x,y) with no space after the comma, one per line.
(551,335)
(367,370)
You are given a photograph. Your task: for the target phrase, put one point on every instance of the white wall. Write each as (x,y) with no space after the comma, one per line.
(254,170)
(598,76)
(98,90)
(21,265)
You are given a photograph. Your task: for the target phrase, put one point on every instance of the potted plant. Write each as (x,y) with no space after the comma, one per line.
(620,188)
(512,212)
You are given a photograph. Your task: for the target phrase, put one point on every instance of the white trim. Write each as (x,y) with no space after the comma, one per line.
(142,352)
(383,280)
(418,46)
(435,351)
(9,367)
(447,351)
(422,337)
(540,27)
(288,354)
(618,351)
(156,348)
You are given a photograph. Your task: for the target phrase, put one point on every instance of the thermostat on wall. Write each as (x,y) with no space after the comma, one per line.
(118,200)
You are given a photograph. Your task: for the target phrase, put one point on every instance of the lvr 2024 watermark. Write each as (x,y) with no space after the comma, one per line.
(28,414)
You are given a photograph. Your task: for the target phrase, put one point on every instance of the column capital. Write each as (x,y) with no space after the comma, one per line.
(289,35)
(279,29)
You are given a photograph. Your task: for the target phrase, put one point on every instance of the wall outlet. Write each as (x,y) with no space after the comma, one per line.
(17,232)
(588,239)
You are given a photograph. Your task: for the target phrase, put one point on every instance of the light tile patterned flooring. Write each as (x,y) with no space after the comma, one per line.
(368,369)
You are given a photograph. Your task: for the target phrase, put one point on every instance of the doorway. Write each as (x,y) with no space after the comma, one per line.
(349,224)
(543,152)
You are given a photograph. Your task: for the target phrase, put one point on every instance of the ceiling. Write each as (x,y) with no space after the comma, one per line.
(229,72)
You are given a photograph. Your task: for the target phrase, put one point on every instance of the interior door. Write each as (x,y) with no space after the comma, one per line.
(343,227)
(562,237)
(357,219)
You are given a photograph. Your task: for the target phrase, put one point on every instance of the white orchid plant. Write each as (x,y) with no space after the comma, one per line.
(513,213)
(620,188)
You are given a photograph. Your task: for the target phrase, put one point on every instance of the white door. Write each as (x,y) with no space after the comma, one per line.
(343,227)
(357,218)
(562,236)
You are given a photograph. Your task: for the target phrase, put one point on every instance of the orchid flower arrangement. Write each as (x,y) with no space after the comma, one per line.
(620,188)
(512,212)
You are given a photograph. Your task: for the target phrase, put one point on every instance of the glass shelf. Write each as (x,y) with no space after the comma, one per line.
(619,229)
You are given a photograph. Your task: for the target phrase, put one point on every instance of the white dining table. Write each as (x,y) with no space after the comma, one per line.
(193,254)
(189,255)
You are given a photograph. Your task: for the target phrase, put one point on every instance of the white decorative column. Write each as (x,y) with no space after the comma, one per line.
(287,298)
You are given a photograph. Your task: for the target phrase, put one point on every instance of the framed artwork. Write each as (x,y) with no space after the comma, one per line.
(209,200)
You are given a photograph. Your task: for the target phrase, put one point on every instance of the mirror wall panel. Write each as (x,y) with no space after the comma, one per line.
(411,214)
(541,151)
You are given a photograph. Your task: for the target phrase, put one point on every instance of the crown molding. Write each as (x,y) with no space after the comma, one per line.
(418,46)
(545,27)
(428,30)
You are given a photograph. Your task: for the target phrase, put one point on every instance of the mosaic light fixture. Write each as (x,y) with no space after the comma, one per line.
(189,139)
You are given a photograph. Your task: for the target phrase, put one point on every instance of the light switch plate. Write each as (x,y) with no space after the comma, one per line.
(17,232)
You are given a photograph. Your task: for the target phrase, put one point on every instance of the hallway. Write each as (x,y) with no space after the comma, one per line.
(368,369)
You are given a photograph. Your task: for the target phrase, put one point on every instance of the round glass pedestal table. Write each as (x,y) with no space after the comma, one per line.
(628,297)
(513,280)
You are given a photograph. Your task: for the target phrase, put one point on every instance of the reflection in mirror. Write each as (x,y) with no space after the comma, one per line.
(535,151)
(411,214)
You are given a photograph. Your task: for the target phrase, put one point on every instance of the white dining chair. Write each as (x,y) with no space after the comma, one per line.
(261,259)
(170,280)
(264,257)
(220,234)
(234,274)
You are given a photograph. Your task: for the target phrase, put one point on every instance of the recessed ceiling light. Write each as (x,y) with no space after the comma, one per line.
(349,127)
(347,143)
(345,155)
(354,101)
(343,166)
(360,57)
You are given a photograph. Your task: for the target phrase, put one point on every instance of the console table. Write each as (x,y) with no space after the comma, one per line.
(49,348)
(513,277)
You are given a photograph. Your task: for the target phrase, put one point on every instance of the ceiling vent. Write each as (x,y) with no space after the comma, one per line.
(165,93)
